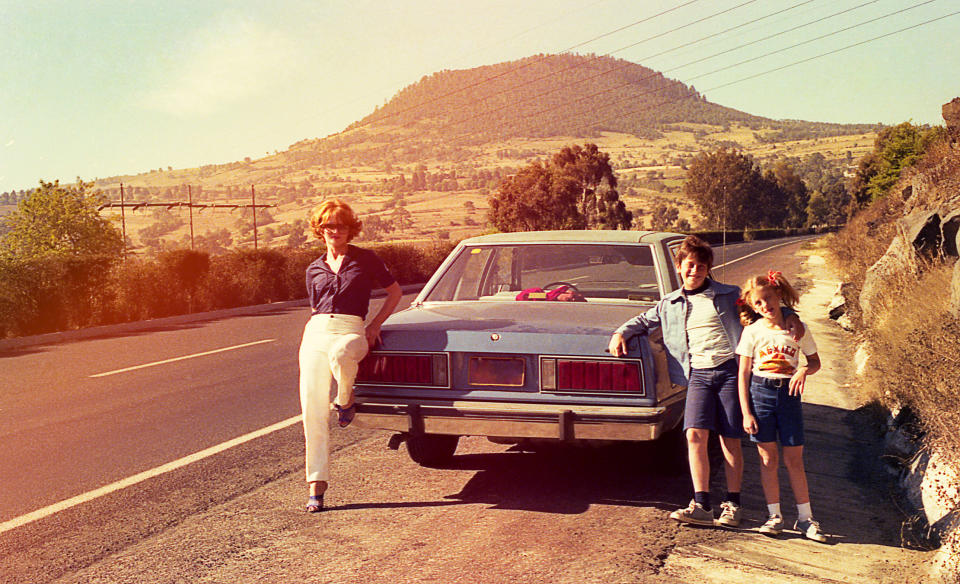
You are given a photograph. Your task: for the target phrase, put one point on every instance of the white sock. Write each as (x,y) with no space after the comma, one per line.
(803,512)
(774,509)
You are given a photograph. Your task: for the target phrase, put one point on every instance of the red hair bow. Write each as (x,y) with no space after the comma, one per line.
(772,277)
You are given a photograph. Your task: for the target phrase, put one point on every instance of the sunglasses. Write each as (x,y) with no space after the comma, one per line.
(334,227)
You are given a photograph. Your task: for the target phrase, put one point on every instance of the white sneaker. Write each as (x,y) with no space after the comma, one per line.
(693,513)
(773,526)
(810,529)
(730,514)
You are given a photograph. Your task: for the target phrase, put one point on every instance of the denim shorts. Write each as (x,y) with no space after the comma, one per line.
(778,413)
(713,402)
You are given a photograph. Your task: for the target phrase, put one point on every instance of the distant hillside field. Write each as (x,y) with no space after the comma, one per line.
(424,164)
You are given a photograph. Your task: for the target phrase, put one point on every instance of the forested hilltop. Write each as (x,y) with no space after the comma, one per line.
(566,95)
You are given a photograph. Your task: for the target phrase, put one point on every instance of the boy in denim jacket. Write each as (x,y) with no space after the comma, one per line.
(701,329)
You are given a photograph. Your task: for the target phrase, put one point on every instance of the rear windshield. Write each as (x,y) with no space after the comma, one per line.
(585,272)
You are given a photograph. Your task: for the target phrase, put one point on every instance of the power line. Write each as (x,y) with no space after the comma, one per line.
(525,65)
(555,73)
(801,61)
(476,115)
(657,90)
(808,41)
(628,64)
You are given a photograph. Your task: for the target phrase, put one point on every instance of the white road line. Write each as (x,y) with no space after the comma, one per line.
(145,365)
(140,477)
(755,253)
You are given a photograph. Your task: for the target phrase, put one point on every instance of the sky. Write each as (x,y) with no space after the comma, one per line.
(98,88)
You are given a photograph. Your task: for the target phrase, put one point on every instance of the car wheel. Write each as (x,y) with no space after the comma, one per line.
(433,450)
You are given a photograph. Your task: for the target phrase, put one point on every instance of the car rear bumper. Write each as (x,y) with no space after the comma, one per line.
(519,420)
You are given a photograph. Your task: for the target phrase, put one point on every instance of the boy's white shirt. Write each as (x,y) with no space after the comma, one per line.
(708,343)
(775,353)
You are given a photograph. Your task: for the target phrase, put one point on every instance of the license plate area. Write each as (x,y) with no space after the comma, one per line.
(496,371)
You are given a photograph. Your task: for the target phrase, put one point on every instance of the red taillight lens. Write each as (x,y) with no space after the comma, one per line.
(417,369)
(590,375)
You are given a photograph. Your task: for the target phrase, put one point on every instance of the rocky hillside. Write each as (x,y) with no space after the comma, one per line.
(905,307)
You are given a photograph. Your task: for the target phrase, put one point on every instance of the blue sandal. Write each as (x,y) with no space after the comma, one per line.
(345,414)
(314,503)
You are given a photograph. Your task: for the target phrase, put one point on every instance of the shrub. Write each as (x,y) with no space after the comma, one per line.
(55,294)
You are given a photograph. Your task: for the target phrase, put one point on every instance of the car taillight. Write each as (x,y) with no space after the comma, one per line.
(578,375)
(427,369)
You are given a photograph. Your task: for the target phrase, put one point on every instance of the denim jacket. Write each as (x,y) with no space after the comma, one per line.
(671,314)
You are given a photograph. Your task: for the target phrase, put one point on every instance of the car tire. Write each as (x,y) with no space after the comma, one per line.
(432,450)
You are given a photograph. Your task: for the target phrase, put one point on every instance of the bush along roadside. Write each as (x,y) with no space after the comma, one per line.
(59,294)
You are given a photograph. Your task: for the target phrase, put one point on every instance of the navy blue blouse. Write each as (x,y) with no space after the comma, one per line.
(347,291)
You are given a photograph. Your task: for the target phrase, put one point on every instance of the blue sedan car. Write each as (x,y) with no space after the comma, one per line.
(508,340)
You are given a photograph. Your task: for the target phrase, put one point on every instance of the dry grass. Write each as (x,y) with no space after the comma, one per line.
(914,361)
(865,238)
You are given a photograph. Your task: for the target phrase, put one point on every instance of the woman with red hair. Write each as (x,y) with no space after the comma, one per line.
(335,339)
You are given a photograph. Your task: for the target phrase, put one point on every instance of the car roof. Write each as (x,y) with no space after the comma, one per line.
(573,236)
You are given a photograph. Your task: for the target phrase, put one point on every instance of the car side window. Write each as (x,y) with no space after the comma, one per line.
(499,277)
(462,279)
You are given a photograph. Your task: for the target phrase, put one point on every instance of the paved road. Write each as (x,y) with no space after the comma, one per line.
(85,414)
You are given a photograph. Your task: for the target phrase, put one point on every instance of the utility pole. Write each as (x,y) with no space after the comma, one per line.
(253,205)
(190,197)
(123,221)
(189,204)
(723,223)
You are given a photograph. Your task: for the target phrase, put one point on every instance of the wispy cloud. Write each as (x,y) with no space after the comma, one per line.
(225,63)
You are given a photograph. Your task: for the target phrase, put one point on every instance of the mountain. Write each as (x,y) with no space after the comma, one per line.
(561,95)
(442,144)
(575,96)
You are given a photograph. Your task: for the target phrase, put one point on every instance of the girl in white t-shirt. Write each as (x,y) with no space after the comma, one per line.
(771,380)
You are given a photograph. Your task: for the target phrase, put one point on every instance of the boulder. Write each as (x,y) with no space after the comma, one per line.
(920,234)
(950,230)
(955,291)
(951,115)
(922,230)
(899,258)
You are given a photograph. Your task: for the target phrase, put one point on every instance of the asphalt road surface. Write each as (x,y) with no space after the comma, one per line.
(108,441)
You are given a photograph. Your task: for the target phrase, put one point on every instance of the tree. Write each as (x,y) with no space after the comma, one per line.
(60,221)
(726,186)
(895,148)
(534,199)
(213,242)
(731,192)
(401,219)
(793,194)
(663,217)
(374,227)
(829,205)
(575,189)
(598,200)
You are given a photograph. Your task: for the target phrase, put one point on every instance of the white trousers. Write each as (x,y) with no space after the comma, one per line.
(332,347)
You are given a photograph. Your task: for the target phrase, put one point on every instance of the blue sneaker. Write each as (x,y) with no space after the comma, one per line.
(345,414)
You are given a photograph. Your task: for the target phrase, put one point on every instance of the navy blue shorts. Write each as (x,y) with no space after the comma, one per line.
(778,413)
(712,400)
